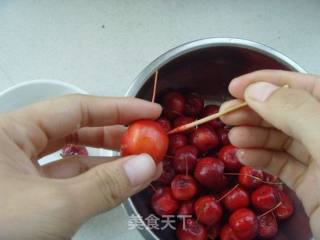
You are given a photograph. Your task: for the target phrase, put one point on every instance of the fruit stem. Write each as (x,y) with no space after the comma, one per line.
(155,86)
(207,119)
(227,193)
(270,210)
(254,177)
(153,188)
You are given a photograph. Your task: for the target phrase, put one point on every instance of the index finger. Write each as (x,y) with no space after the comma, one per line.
(310,83)
(57,118)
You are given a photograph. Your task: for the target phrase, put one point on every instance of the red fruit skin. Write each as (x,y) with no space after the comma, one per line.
(244,223)
(268,226)
(265,198)
(177,140)
(186,209)
(223,134)
(286,209)
(209,172)
(73,150)
(248,182)
(273,179)
(209,110)
(204,138)
(194,105)
(192,231)
(163,202)
(168,173)
(182,120)
(145,136)
(183,187)
(228,155)
(174,104)
(227,233)
(185,159)
(165,123)
(208,210)
(214,231)
(238,198)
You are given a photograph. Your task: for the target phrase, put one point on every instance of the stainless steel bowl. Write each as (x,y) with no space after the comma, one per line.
(207,66)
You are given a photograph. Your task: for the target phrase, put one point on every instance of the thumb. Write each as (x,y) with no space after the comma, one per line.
(294,111)
(105,186)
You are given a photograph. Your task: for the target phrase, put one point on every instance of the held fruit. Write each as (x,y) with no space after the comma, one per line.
(145,136)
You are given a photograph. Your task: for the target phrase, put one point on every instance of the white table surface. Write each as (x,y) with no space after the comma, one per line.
(102,45)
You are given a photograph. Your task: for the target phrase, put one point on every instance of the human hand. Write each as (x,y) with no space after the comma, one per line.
(281,133)
(51,202)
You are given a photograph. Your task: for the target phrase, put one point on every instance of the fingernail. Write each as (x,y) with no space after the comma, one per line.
(260,91)
(240,156)
(139,169)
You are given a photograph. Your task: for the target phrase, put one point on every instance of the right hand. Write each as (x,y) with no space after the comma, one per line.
(280,132)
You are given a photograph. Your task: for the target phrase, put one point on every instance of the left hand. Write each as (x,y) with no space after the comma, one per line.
(52,201)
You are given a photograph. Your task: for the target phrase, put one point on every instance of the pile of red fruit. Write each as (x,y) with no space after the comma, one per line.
(203,178)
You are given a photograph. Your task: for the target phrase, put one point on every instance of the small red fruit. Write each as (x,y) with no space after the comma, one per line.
(204,138)
(73,150)
(208,210)
(265,198)
(227,233)
(191,231)
(183,187)
(177,140)
(163,202)
(228,154)
(174,104)
(165,123)
(223,135)
(285,210)
(236,199)
(145,136)
(209,172)
(182,120)
(268,226)
(209,110)
(185,159)
(250,178)
(186,209)
(194,105)
(244,223)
